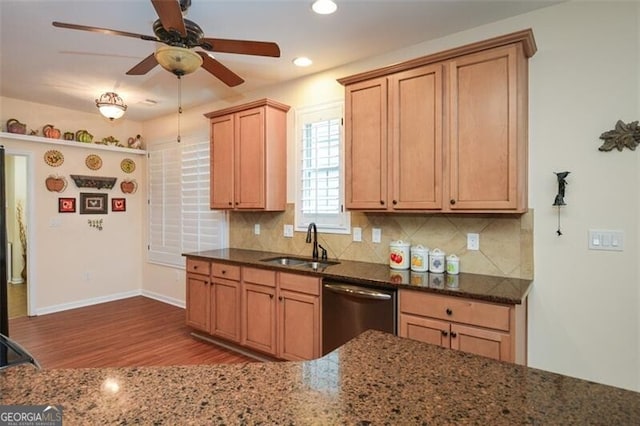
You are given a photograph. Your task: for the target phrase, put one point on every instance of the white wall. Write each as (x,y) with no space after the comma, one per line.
(583,318)
(60,255)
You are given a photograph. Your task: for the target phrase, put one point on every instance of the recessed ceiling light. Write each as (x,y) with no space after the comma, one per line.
(302,61)
(324,7)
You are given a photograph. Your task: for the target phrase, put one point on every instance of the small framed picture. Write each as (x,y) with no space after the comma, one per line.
(118,204)
(66,205)
(93,203)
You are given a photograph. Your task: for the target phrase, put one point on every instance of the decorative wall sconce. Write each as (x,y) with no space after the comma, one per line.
(559,200)
(111,105)
(624,135)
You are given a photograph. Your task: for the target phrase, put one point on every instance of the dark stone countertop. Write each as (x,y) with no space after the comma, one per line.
(377,378)
(474,286)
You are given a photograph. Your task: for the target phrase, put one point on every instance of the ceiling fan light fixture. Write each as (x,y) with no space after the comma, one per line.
(324,7)
(111,105)
(178,60)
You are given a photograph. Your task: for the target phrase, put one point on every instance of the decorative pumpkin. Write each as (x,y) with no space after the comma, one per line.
(51,132)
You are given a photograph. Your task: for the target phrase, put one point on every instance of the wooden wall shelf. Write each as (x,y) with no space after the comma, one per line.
(98,182)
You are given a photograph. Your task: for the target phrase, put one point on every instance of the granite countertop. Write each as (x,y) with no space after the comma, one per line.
(482,287)
(377,378)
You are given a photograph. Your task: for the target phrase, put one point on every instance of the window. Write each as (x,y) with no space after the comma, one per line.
(319,169)
(180,220)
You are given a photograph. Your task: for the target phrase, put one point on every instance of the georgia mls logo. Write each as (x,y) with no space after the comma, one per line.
(30,415)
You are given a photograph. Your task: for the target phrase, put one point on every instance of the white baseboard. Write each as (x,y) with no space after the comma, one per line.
(87,302)
(162,298)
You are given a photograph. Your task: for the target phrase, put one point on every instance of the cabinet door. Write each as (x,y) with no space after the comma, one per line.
(424,330)
(492,344)
(416,139)
(225,309)
(198,301)
(259,318)
(366,145)
(298,326)
(484,130)
(221,152)
(250,159)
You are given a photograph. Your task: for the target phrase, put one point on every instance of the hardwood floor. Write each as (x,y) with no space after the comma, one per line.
(126,333)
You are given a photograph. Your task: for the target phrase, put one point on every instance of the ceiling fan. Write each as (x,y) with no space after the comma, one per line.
(180,36)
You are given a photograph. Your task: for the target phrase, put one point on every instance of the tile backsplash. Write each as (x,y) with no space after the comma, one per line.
(506,241)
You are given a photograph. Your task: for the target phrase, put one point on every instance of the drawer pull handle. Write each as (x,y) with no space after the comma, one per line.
(449,311)
(454,334)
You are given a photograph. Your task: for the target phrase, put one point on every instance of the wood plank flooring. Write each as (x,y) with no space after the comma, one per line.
(126,333)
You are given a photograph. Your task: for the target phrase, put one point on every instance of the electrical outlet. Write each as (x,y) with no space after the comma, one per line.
(473,241)
(288,231)
(256,229)
(376,235)
(357,234)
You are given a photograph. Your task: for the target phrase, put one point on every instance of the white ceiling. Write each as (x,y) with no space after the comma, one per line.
(62,67)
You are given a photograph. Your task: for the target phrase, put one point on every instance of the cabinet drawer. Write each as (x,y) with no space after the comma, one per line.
(455,309)
(222,270)
(259,276)
(198,266)
(300,283)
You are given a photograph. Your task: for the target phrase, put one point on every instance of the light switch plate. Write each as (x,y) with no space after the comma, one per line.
(288,230)
(376,235)
(608,240)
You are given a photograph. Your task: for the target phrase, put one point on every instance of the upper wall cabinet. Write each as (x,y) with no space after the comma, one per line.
(445,132)
(248,156)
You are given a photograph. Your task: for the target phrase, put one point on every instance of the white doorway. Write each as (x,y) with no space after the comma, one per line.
(17,215)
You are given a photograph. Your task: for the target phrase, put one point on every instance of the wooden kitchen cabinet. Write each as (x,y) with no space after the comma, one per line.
(225,301)
(248,156)
(299,331)
(197,300)
(259,310)
(493,330)
(446,132)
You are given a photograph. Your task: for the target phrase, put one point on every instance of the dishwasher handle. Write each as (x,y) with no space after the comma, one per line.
(357,291)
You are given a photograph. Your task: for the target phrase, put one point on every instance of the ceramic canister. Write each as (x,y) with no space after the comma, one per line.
(399,255)
(436,261)
(453,264)
(419,258)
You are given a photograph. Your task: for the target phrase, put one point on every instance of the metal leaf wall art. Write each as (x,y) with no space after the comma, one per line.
(624,135)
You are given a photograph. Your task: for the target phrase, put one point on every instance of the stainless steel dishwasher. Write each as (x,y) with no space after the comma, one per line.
(348,310)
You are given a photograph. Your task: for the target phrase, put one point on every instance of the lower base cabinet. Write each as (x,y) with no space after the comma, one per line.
(493,330)
(275,313)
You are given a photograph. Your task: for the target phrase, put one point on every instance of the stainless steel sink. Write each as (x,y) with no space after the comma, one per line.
(298,262)
(285,261)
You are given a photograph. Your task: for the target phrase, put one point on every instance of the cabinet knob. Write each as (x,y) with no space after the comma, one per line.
(445,333)
(195,267)
(271,296)
(230,203)
(454,334)
(280,298)
(224,271)
(452,202)
(449,311)
(382,202)
(395,202)
(236,203)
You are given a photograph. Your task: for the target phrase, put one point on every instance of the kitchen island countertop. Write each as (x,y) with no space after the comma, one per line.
(474,286)
(376,378)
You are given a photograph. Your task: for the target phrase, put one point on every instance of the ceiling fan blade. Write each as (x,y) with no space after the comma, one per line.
(170,15)
(103,30)
(144,66)
(245,47)
(220,71)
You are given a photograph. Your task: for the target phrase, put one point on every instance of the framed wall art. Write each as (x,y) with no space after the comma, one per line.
(118,204)
(66,205)
(93,203)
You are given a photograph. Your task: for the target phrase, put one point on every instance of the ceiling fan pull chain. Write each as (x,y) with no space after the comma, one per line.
(179,104)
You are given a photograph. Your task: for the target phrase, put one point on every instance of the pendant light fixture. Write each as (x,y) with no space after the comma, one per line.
(111,105)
